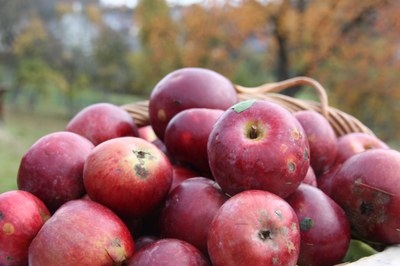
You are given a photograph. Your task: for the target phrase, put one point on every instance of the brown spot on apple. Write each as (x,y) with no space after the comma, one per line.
(290,246)
(283,147)
(295,134)
(275,261)
(8,228)
(161,115)
(291,166)
(1,216)
(141,171)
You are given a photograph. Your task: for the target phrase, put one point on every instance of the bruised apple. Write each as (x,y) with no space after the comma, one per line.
(324,227)
(129,175)
(187,134)
(103,121)
(367,187)
(82,232)
(186,88)
(257,144)
(52,168)
(254,227)
(21,216)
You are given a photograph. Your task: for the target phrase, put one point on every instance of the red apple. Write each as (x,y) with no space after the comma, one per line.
(129,175)
(189,210)
(321,138)
(181,173)
(310,178)
(147,133)
(82,232)
(356,142)
(324,227)
(367,187)
(52,168)
(254,227)
(187,134)
(188,88)
(103,121)
(21,216)
(258,144)
(168,252)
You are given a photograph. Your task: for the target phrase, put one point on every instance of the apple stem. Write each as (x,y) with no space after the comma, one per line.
(253,134)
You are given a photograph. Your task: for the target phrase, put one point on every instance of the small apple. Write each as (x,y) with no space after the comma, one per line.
(321,138)
(21,216)
(82,232)
(357,142)
(254,227)
(367,187)
(189,210)
(324,227)
(168,252)
(186,88)
(257,144)
(103,121)
(129,175)
(187,134)
(52,168)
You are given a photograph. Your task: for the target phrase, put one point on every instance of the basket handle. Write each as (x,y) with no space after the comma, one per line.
(296,81)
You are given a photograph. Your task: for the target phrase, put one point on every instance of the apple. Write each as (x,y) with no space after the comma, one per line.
(321,138)
(367,187)
(310,177)
(324,227)
(82,232)
(147,133)
(356,142)
(186,88)
(52,168)
(22,215)
(187,134)
(129,175)
(189,210)
(103,121)
(257,144)
(168,252)
(254,227)
(181,173)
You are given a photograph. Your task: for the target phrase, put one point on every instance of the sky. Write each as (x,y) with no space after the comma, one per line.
(132,3)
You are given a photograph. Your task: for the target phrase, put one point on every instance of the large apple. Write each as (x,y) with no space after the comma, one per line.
(356,142)
(188,88)
(21,216)
(187,134)
(254,227)
(82,232)
(257,144)
(367,187)
(129,175)
(324,227)
(103,121)
(168,252)
(52,168)
(189,210)
(321,138)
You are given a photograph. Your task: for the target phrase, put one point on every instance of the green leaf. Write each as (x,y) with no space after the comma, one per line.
(240,107)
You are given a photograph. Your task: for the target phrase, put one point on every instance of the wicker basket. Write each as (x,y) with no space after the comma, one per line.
(341,122)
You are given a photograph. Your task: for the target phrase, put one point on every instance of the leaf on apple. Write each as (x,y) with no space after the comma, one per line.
(242,106)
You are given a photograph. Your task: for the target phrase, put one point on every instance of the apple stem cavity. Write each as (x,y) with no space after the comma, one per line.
(264,234)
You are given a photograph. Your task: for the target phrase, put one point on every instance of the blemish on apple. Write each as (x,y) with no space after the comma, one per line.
(8,228)
(291,166)
(1,216)
(279,214)
(306,223)
(295,134)
(161,115)
(275,261)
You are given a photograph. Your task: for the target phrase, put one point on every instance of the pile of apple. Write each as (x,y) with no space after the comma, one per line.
(210,181)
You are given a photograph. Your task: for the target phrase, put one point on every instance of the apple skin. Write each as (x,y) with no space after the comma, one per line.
(189,210)
(186,88)
(356,142)
(82,232)
(181,173)
(310,178)
(103,121)
(168,252)
(52,168)
(187,134)
(367,187)
(129,175)
(22,215)
(254,227)
(324,227)
(321,138)
(258,144)
(147,133)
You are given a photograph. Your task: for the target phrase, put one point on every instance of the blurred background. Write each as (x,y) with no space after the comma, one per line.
(58,56)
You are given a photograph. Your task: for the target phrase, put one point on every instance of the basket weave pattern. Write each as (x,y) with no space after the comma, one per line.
(341,122)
